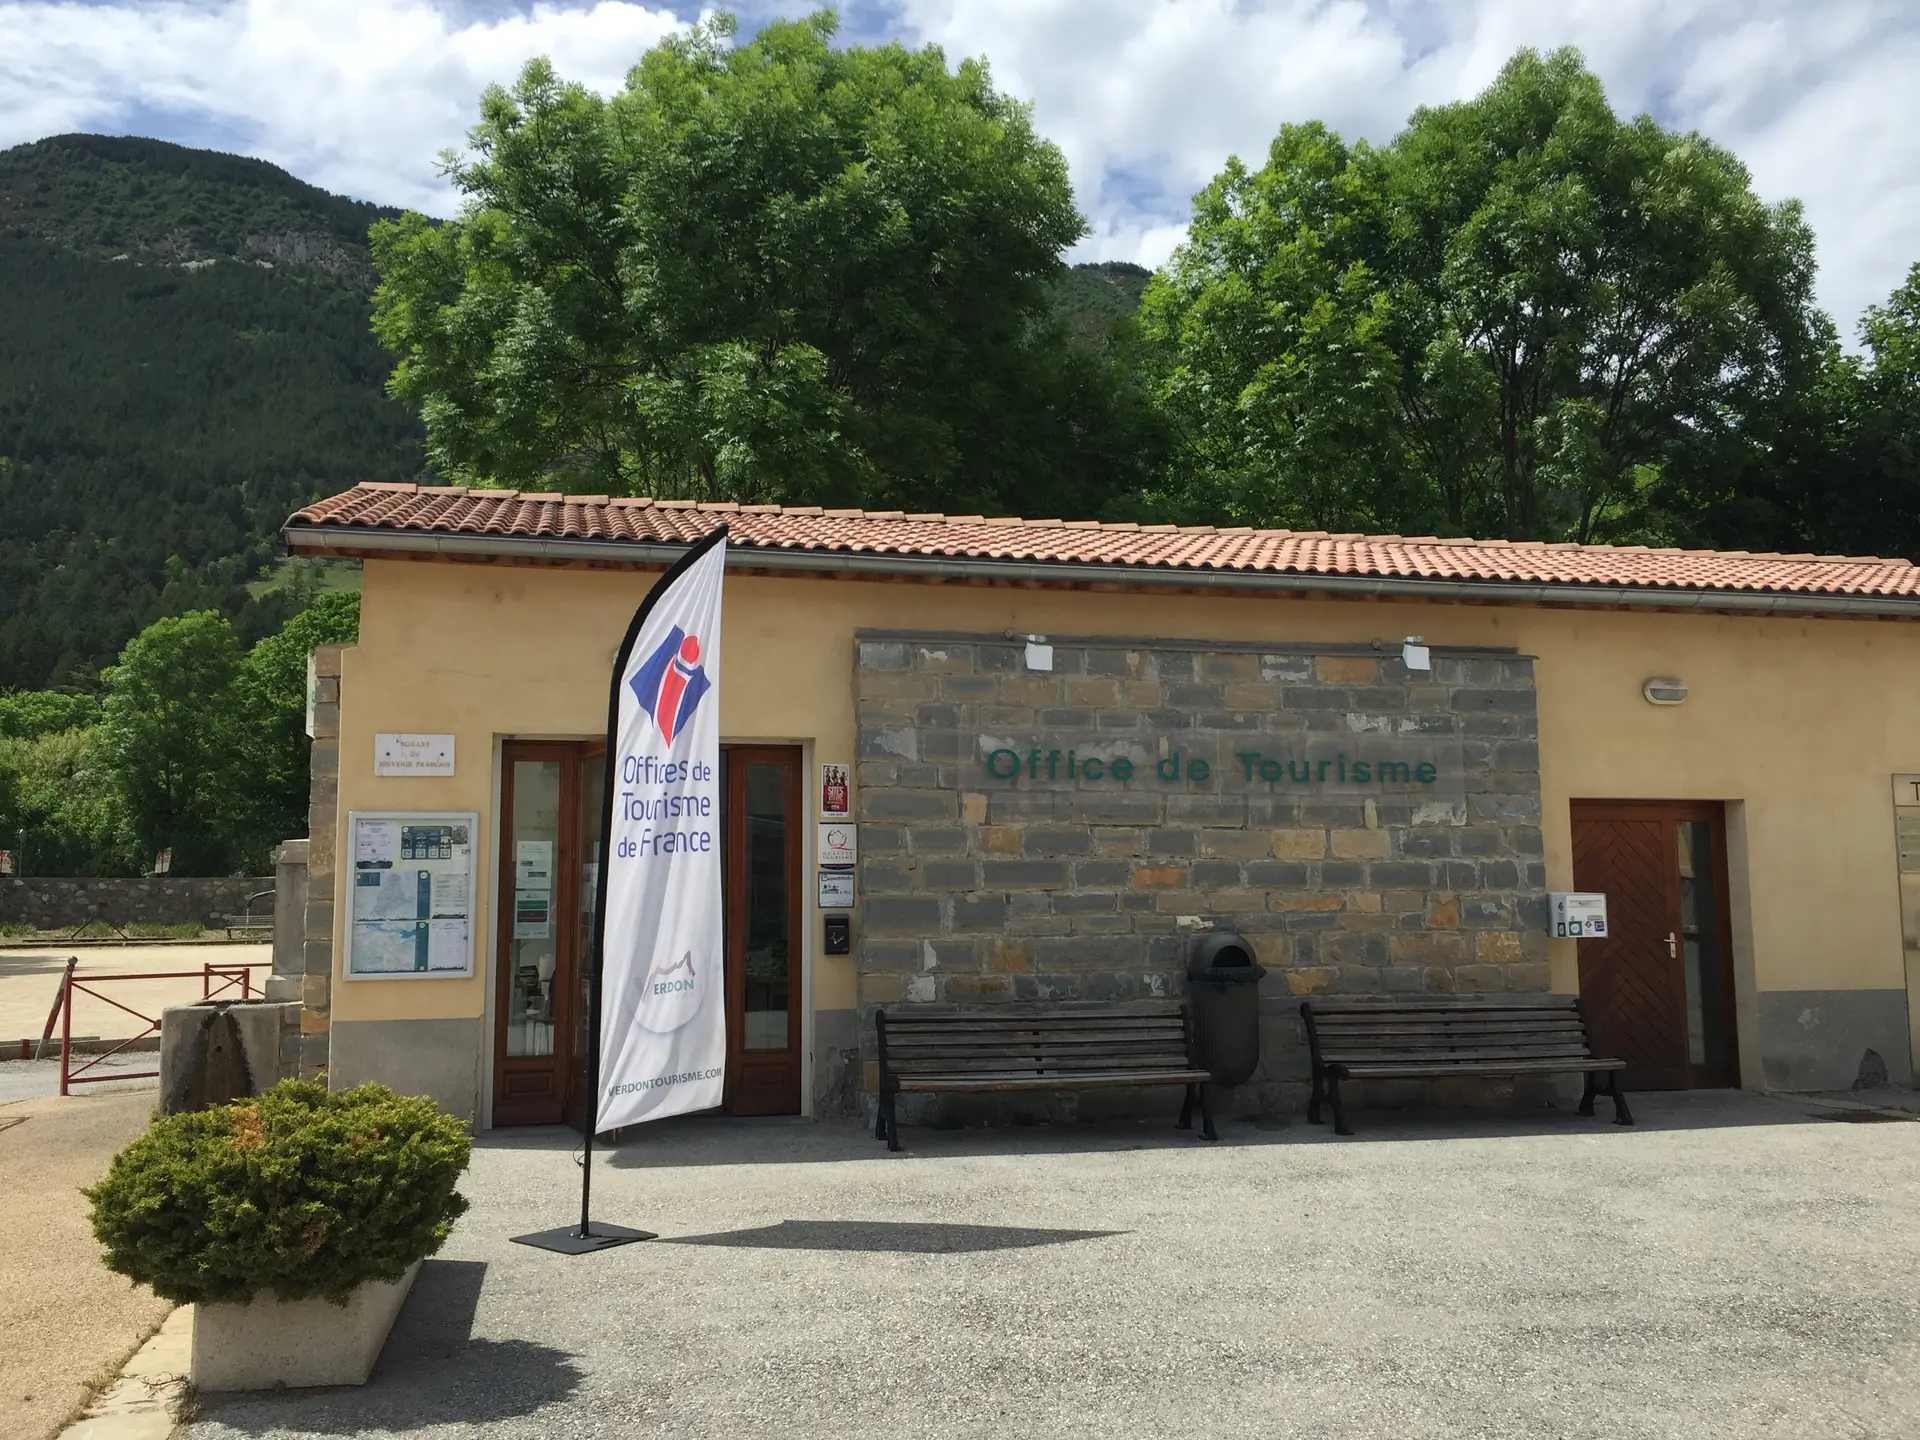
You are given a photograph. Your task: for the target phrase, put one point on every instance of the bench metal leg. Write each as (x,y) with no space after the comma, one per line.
(1313,1100)
(1586,1097)
(893,1124)
(880,1117)
(1206,1116)
(1185,1122)
(1621,1115)
(1339,1110)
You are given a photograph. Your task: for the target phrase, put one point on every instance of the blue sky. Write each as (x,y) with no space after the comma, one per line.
(1147,98)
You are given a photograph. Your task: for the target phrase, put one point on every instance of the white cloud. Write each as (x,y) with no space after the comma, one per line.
(1146,97)
(356,97)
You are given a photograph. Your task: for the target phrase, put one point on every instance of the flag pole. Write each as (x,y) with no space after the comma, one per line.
(586,1238)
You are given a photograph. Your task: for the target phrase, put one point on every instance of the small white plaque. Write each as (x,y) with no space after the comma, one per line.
(839,845)
(413,754)
(836,889)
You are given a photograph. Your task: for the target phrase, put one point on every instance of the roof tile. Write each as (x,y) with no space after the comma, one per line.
(456,510)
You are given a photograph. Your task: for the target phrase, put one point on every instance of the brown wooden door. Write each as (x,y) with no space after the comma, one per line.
(762,817)
(1658,990)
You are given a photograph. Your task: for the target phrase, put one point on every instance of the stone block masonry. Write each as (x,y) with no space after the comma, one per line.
(1057,836)
(59,904)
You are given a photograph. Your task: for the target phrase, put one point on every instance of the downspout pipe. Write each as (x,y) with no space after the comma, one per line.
(338,539)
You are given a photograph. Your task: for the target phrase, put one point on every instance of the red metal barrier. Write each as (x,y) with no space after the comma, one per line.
(228,977)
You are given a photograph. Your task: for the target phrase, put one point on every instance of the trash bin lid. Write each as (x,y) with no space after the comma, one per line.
(1223,950)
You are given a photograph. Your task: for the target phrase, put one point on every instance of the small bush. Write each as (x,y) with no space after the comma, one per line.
(299,1192)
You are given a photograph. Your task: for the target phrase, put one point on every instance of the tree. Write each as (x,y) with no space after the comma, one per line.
(272,696)
(781,271)
(1874,506)
(1523,317)
(171,736)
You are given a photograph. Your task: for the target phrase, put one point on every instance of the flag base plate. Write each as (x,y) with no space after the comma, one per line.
(568,1240)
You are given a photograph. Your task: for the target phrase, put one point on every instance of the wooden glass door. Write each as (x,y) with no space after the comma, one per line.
(762,818)
(1659,989)
(549,827)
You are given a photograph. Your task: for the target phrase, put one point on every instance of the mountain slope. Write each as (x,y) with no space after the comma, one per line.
(184,358)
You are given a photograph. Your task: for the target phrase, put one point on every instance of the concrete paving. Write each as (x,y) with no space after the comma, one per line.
(67,1319)
(1732,1266)
(30,981)
(33,1079)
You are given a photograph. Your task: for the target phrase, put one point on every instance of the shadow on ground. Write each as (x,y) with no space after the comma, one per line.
(433,1372)
(697,1140)
(895,1237)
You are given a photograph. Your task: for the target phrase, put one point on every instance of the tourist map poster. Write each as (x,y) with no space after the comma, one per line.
(410,892)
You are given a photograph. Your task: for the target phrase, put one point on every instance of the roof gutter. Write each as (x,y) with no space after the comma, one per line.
(310,539)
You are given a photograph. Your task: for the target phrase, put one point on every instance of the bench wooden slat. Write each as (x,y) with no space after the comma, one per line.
(1011,1027)
(1386,1070)
(1176,1058)
(1480,1005)
(1385,1040)
(1090,1080)
(1427,1055)
(1021,1050)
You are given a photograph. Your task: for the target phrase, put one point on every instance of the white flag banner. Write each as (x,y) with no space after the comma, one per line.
(663,1030)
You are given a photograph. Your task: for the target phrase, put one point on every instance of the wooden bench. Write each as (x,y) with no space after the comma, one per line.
(1036,1050)
(1417,1040)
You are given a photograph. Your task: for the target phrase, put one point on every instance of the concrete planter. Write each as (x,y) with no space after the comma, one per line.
(270,1343)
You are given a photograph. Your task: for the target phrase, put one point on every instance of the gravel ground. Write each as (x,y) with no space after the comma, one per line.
(63,1314)
(1731,1267)
(30,982)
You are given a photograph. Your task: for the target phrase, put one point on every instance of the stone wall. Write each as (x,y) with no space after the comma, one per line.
(1235,787)
(58,904)
(323,801)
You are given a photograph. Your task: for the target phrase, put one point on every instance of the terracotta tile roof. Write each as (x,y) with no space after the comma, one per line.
(510,516)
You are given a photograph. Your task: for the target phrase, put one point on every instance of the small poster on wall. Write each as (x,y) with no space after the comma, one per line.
(410,896)
(836,889)
(836,792)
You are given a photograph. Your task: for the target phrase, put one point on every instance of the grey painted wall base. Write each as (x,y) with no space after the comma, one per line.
(437,1058)
(1834,1039)
(836,1064)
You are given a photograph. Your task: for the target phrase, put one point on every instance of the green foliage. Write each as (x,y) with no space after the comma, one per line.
(171,737)
(781,271)
(197,749)
(272,701)
(60,811)
(1524,317)
(29,714)
(299,1192)
(162,414)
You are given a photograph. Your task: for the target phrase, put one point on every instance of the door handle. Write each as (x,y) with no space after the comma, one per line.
(1673,946)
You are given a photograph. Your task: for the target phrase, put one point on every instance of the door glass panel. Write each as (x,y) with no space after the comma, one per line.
(593,781)
(1708,1023)
(764,1011)
(533,949)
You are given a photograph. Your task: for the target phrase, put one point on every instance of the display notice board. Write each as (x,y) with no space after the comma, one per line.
(410,895)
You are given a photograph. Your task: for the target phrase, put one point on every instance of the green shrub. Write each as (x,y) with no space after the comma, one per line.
(299,1192)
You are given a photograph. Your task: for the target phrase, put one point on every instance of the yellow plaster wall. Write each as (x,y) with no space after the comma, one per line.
(1800,720)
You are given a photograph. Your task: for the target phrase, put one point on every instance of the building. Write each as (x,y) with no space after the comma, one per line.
(1069,746)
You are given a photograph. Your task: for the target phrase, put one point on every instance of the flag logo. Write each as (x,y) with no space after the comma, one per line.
(669,685)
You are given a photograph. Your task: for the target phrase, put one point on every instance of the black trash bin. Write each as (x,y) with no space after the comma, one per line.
(1223,985)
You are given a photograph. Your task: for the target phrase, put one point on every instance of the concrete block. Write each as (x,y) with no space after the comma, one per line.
(210,1054)
(270,1343)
